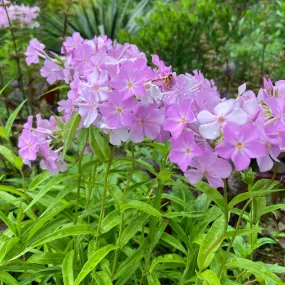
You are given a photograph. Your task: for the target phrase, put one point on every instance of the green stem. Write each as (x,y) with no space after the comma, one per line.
(156,205)
(220,239)
(24,185)
(102,211)
(117,252)
(79,179)
(234,234)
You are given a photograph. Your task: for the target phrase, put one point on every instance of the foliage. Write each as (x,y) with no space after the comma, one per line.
(230,41)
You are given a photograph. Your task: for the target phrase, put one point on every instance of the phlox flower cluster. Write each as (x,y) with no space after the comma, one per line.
(114,89)
(21,16)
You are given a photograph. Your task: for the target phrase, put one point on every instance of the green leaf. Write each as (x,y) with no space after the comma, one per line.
(245,196)
(132,228)
(8,154)
(93,261)
(103,278)
(72,230)
(262,183)
(171,240)
(176,227)
(207,252)
(8,223)
(12,118)
(98,144)
(46,258)
(3,133)
(2,90)
(110,221)
(258,269)
(210,277)
(44,219)
(152,279)
(54,181)
(212,193)
(39,179)
(271,208)
(141,206)
(67,268)
(8,279)
(167,258)
(69,132)
(63,86)
(131,263)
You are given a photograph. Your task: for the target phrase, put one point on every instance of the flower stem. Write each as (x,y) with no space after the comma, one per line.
(102,211)
(117,252)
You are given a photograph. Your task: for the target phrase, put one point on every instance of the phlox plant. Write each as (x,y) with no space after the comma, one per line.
(21,16)
(100,212)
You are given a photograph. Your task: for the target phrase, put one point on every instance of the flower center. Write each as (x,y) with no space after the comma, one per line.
(30,145)
(205,172)
(142,122)
(221,120)
(119,110)
(130,85)
(92,107)
(239,145)
(183,120)
(188,150)
(96,88)
(84,59)
(268,144)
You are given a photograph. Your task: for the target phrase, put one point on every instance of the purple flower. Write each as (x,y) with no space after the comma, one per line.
(34,50)
(147,123)
(88,108)
(241,144)
(177,118)
(210,166)
(129,81)
(71,43)
(272,142)
(49,158)
(117,111)
(81,58)
(184,149)
(225,112)
(51,71)
(99,83)
(28,144)
(277,107)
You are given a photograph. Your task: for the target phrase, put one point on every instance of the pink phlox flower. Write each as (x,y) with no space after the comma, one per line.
(272,148)
(34,51)
(118,112)
(224,112)
(117,134)
(277,107)
(184,149)
(163,70)
(29,146)
(179,91)
(71,43)
(147,123)
(129,81)
(178,116)
(87,109)
(153,93)
(51,71)
(210,166)
(99,83)
(49,158)
(254,111)
(240,144)
(82,58)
